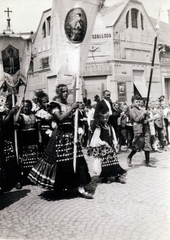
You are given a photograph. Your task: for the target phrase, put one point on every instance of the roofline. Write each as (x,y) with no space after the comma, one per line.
(109,9)
(17,35)
(121,12)
(128,1)
(40,22)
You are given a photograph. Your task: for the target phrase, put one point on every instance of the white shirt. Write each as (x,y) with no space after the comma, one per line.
(90,116)
(108,104)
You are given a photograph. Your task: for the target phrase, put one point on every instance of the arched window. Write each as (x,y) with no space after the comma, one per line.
(44,30)
(134,17)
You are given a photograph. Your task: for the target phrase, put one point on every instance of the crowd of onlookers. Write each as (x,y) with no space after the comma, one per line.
(25,130)
(159,111)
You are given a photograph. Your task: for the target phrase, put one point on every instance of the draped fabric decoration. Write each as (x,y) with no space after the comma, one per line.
(72,26)
(15,55)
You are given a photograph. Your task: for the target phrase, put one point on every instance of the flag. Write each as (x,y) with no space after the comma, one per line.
(72,26)
(15,55)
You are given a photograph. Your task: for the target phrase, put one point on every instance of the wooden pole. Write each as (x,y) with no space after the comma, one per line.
(153,58)
(76,126)
(15,132)
(151,73)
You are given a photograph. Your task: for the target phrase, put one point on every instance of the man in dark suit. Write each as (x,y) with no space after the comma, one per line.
(104,104)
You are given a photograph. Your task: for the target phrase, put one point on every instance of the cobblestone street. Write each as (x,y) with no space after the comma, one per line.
(137,210)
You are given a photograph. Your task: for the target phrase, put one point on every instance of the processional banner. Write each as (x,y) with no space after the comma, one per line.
(15,55)
(72,26)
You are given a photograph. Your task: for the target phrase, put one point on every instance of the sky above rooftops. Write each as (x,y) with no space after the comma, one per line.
(26,14)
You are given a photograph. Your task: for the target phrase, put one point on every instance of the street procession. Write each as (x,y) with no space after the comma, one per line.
(85,121)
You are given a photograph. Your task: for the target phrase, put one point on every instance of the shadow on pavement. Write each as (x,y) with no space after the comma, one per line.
(54,196)
(69,194)
(153,161)
(9,198)
(137,165)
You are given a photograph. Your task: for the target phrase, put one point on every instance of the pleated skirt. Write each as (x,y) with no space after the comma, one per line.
(55,171)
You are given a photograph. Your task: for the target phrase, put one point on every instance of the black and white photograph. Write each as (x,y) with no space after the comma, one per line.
(84,119)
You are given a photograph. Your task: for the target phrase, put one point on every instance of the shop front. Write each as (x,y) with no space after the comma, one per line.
(96,79)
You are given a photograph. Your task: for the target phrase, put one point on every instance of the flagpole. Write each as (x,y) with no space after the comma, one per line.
(15,131)
(76,126)
(151,73)
(153,59)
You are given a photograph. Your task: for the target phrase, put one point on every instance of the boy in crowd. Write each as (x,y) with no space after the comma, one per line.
(140,119)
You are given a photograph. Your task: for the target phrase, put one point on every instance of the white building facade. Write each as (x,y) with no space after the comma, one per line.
(119,57)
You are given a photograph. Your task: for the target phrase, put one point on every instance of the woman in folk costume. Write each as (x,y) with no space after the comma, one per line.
(44,121)
(55,171)
(9,159)
(29,139)
(102,146)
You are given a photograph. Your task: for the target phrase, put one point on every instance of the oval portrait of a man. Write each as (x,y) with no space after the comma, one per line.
(76,25)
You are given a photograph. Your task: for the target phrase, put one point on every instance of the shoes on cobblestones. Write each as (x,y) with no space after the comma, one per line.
(150,165)
(18,186)
(85,195)
(120,179)
(129,162)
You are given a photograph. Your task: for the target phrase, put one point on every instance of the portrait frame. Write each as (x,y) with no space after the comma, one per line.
(10,59)
(75,25)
